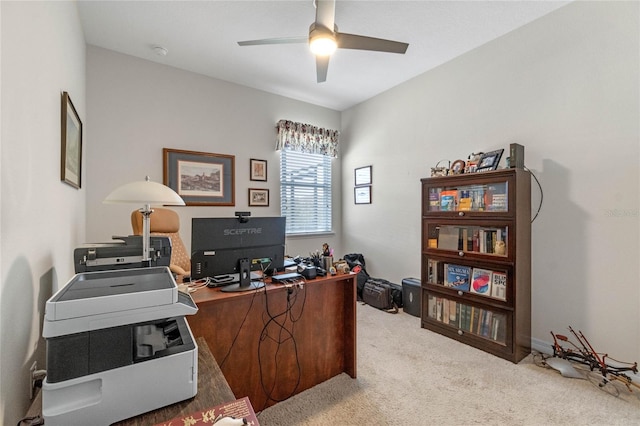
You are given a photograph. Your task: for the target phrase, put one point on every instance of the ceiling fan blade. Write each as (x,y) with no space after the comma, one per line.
(326,13)
(322,66)
(279,40)
(352,41)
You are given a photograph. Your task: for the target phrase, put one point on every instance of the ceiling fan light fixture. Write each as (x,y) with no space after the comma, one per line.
(323,45)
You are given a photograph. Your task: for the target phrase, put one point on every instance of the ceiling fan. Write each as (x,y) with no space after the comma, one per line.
(324,39)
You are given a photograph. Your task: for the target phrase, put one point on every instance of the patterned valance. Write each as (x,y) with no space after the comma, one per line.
(302,137)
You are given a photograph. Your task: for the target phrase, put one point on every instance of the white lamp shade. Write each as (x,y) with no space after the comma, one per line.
(144,192)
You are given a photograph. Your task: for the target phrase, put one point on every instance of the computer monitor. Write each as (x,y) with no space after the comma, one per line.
(239,245)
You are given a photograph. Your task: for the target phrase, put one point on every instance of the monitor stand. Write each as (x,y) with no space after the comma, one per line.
(245,283)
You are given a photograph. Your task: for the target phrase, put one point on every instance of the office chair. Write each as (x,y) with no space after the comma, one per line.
(166,222)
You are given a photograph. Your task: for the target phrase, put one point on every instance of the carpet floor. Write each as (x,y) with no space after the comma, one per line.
(411,376)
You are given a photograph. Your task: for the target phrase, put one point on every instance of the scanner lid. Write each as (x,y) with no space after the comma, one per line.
(100,292)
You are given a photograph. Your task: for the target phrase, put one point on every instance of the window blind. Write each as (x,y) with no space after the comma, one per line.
(305,192)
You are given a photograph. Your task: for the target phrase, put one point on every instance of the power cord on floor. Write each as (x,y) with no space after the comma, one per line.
(284,333)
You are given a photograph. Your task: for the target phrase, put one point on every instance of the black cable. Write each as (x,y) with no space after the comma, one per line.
(283,335)
(541,194)
(233,342)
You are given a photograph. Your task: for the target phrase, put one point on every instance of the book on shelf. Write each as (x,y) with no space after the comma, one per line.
(434,199)
(457,276)
(433,275)
(499,285)
(453,312)
(481,281)
(499,202)
(239,409)
(448,200)
(465,204)
(448,237)
(431,306)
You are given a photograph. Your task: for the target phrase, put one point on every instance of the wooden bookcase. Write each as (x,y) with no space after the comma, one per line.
(476,260)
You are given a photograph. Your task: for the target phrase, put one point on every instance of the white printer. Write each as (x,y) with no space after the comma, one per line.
(118,345)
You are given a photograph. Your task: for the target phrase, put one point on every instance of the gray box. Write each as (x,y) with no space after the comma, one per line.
(412,296)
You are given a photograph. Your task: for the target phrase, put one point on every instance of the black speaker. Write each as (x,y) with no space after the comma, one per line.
(516,156)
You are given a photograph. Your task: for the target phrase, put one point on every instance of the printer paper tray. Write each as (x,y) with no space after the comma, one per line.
(184,306)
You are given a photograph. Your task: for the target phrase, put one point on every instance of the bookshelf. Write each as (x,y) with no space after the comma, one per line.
(476,260)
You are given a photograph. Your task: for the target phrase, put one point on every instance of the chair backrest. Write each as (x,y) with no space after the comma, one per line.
(166,222)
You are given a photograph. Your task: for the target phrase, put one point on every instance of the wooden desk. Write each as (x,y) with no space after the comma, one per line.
(213,389)
(243,330)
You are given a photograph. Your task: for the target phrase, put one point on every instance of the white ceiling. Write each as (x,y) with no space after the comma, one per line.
(202,36)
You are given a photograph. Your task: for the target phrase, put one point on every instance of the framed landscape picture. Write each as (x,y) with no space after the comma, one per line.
(200,178)
(71,155)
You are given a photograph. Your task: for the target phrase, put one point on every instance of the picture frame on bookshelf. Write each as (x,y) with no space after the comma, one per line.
(457,167)
(489,160)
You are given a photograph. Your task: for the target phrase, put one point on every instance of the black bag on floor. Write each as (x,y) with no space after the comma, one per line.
(353,260)
(380,294)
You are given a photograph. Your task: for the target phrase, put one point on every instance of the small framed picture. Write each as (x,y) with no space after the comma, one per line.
(362,194)
(258,170)
(489,160)
(457,167)
(363,176)
(258,197)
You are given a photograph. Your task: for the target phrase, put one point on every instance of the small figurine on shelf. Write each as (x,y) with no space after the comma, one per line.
(325,250)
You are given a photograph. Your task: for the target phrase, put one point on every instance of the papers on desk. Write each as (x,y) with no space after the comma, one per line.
(239,409)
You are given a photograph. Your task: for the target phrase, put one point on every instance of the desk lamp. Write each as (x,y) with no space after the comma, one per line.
(145,192)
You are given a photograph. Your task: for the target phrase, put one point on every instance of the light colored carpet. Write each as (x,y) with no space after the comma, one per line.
(411,376)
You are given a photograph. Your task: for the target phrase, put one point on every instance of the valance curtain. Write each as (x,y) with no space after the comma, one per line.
(306,138)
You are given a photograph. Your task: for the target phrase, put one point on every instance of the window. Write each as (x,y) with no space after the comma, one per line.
(305,192)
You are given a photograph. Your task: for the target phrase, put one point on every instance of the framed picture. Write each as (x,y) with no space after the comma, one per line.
(200,178)
(71,154)
(258,197)
(489,160)
(258,170)
(457,167)
(362,194)
(363,176)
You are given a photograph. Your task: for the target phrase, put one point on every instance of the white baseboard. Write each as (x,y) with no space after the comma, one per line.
(541,346)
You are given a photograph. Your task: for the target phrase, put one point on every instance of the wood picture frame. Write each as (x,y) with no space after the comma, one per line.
(362,194)
(71,143)
(457,167)
(200,178)
(489,160)
(258,197)
(258,170)
(362,176)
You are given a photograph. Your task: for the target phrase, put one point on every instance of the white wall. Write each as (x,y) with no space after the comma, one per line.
(42,218)
(566,87)
(136,108)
